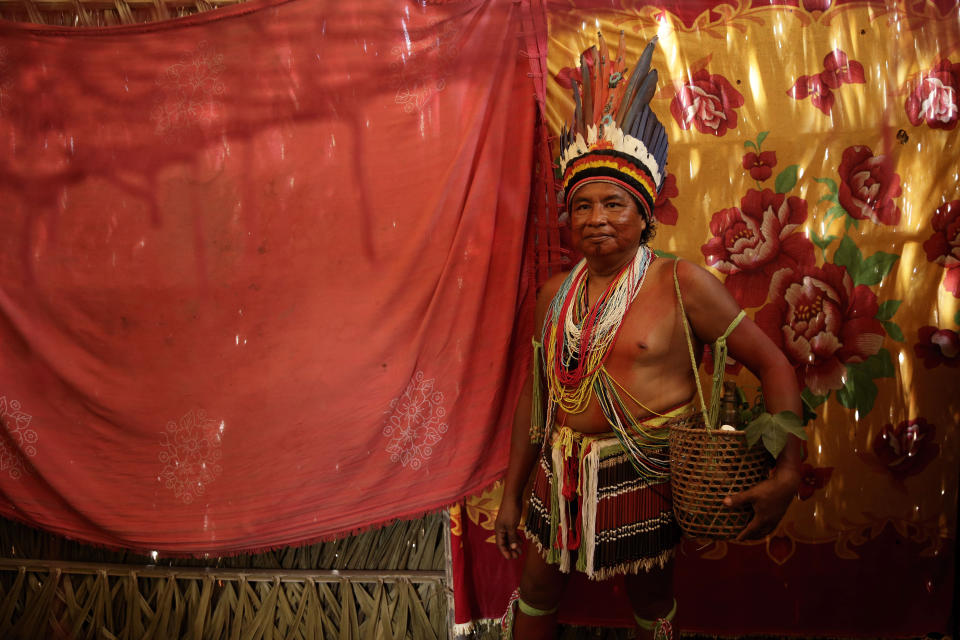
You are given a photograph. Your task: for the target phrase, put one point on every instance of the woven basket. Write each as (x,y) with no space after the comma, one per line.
(705,467)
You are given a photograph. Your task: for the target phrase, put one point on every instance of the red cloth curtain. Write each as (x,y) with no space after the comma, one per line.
(260,269)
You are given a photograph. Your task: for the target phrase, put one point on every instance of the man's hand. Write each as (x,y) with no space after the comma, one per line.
(505,528)
(770,500)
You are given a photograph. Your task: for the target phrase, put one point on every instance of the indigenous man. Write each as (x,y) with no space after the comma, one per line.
(612,371)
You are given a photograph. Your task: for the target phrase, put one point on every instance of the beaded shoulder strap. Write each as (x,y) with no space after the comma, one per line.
(693,359)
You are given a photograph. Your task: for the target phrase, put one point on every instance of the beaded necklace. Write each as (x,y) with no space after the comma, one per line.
(578,339)
(576,345)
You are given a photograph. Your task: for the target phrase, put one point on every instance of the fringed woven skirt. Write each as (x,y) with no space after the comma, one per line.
(589,501)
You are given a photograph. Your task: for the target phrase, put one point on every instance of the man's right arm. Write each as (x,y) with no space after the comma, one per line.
(523,453)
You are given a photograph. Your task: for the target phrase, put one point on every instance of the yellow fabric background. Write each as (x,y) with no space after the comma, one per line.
(761,51)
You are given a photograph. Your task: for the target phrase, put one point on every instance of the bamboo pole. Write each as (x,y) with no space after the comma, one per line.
(448,574)
(250,575)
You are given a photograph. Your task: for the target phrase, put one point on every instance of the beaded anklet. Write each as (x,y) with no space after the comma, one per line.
(661,627)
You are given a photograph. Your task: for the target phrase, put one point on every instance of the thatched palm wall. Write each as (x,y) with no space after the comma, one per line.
(386,583)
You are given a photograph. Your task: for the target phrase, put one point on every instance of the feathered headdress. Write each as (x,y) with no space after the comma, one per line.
(614,136)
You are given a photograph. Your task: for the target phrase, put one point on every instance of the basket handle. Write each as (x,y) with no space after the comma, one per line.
(693,359)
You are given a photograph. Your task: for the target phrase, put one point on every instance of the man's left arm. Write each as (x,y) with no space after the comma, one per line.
(710,308)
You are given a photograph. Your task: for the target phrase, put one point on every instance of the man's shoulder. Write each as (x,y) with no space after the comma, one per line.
(697,279)
(698,286)
(707,303)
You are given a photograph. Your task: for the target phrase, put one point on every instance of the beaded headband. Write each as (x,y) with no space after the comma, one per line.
(615,137)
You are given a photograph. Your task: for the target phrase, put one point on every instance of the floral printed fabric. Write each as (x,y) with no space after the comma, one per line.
(935,95)
(814,158)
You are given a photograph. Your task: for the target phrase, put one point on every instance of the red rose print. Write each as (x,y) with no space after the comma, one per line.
(707,102)
(936,98)
(943,247)
(937,346)
(868,185)
(663,209)
(816,5)
(907,449)
(755,240)
(838,70)
(812,479)
(822,323)
(760,166)
(820,94)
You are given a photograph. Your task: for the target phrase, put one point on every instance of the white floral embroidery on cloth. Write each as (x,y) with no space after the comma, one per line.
(18,440)
(190,452)
(415,423)
(422,64)
(190,93)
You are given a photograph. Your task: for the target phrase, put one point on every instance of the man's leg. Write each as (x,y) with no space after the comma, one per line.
(541,586)
(651,596)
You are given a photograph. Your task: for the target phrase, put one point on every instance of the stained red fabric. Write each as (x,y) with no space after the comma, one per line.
(260,270)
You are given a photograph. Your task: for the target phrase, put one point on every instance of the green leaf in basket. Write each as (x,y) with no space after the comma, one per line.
(789,422)
(774,429)
(774,440)
(757,428)
(811,400)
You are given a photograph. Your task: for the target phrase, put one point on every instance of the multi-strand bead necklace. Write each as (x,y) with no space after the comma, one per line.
(578,339)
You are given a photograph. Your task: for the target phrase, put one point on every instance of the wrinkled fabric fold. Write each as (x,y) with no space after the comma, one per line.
(260,270)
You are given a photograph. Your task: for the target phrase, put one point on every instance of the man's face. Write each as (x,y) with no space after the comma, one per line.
(605,220)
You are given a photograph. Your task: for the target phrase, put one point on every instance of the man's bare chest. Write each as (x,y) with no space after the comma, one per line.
(651,329)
